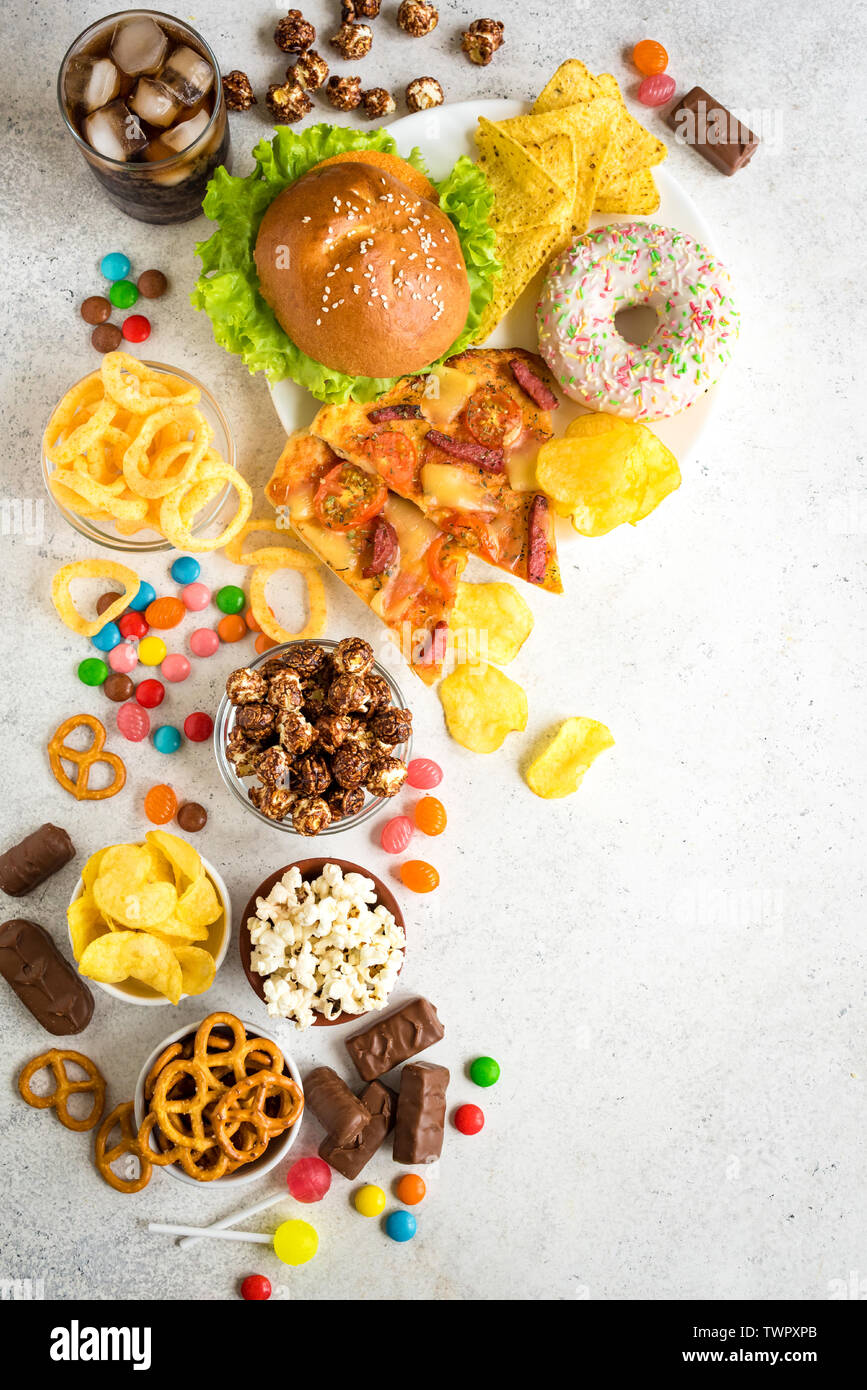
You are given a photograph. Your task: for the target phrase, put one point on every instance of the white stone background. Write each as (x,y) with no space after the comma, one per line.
(669,965)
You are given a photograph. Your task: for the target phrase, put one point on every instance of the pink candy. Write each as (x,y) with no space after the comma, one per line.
(656,90)
(424,773)
(396,834)
(309,1179)
(175,667)
(133,722)
(204,641)
(196,597)
(123,657)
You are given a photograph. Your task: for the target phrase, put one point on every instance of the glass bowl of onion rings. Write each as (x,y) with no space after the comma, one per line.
(139,456)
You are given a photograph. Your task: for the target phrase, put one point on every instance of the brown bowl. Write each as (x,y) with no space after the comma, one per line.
(309,869)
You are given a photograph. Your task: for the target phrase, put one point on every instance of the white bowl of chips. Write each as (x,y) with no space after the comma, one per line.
(110,485)
(113,943)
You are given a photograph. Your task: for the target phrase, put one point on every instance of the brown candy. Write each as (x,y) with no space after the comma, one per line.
(152,284)
(389,1041)
(340,1113)
(106,337)
(46,984)
(96,309)
(34,859)
(118,687)
(349,1159)
(192,817)
(421,1113)
(105,601)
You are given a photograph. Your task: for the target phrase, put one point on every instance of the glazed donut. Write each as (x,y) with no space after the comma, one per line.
(618,267)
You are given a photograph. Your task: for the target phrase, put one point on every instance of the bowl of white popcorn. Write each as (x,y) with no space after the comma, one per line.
(322,941)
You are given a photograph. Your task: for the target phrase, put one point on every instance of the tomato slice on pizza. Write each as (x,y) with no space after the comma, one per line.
(383,548)
(461,443)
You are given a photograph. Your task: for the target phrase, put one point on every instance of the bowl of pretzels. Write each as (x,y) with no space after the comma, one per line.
(218,1103)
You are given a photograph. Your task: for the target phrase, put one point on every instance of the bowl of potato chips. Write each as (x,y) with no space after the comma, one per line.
(139,456)
(150,923)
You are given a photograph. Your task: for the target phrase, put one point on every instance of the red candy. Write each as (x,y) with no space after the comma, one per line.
(198,726)
(256,1288)
(657,89)
(136,328)
(418,876)
(649,57)
(150,693)
(309,1179)
(160,804)
(396,835)
(430,816)
(133,625)
(133,722)
(424,773)
(469,1119)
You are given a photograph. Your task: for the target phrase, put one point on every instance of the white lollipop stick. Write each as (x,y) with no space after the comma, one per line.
(252,1237)
(232,1220)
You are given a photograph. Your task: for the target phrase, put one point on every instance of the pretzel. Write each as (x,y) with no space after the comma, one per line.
(246,1101)
(239,1053)
(167,1055)
(121,1115)
(166,1108)
(59,751)
(64,1086)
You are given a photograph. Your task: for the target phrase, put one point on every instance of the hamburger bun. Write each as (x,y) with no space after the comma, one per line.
(363,274)
(393,165)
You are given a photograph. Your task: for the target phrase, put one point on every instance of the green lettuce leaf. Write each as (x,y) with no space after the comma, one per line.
(228,287)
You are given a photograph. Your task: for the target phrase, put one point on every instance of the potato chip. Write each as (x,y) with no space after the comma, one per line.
(176,932)
(133,955)
(490,622)
(86,923)
(185,861)
(482,706)
(91,569)
(91,869)
(524,195)
(198,905)
(606,471)
(262,612)
(137,907)
(198,969)
(560,762)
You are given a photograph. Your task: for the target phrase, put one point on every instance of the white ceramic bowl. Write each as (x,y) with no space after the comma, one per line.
(276,1150)
(141,994)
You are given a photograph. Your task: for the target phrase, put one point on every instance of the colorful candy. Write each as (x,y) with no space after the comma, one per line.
(123,294)
(136,328)
(146,595)
(418,876)
(230,599)
(133,722)
(150,693)
(430,816)
(264,643)
(204,641)
(252,621)
(400,1226)
(196,597)
(295,1242)
(192,817)
(396,834)
(657,89)
(411,1189)
(118,687)
(231,628)
(309,1179)
(152,284)
(370,1201)
(115,265)
(186,570)
(469,1119)
(92,671)
(151,651)
(167,739)
(107,637)
(649,57)
(198,726)
(124,658)
(256,1288)
(165,612)
(160,804)
(484,1071)
(133,625)
(424,773)
(175,668)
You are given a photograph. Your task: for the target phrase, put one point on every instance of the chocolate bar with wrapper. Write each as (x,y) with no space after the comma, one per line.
(349,1159)
(339,1112)
(394,1039)
(34,859)
(719,136)
(421,1113)
(45,983)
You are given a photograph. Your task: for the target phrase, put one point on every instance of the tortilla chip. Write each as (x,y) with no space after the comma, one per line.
(524,194)
(629,193)
(591,127)
(522,255)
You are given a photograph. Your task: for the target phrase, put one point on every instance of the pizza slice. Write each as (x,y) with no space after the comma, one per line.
(397,561)
(461,443)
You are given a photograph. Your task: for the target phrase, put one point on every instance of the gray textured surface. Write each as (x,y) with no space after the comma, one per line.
(669,966)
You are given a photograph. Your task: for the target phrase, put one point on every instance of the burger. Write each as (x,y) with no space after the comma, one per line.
(348,270)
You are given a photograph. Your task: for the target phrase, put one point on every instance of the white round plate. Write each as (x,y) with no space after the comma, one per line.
(444,134)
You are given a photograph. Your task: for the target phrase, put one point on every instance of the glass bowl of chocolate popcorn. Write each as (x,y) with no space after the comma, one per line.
(313,737)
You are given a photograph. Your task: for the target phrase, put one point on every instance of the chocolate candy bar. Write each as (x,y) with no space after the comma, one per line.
(700,121)
(393,1039)
(338,1111)
(421,1113)
(34,859)
(45,983)
(349,1159)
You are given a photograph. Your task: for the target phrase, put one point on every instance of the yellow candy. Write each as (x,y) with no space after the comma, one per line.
(151,651)
(295,1242)
(370,1200)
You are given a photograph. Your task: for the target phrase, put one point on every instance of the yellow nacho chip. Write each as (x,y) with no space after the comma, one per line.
(481,706)
(591,128)
(564,756)
(524,195)
(629,193)
(522,255)
(490,622)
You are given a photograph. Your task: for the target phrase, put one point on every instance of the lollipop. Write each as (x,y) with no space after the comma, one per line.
(294,1242)
(306,1175)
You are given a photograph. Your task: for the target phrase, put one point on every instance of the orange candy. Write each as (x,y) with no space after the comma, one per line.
(418,876)
(264,643)
(251,621)
(165,612)
(410,1190)
(160,804)
(649,57)
(232,628)
(430,816)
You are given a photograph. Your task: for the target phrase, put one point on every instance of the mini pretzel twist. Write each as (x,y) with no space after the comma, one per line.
(83,760)
(64,1086)
(121,1115)
(246,1102)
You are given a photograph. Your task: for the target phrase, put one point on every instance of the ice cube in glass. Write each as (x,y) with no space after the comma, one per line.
(188,75)
(153,102)
(114,132)
(139,46)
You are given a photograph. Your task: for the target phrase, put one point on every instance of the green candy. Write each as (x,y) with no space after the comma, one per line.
(485,1071)
(92,671)
(123,294)
(231,599)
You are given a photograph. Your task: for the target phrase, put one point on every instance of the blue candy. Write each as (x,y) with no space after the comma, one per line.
(186,570)
(146,594)
(167,739)
(115,266)
(107,638)
(400,1225)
